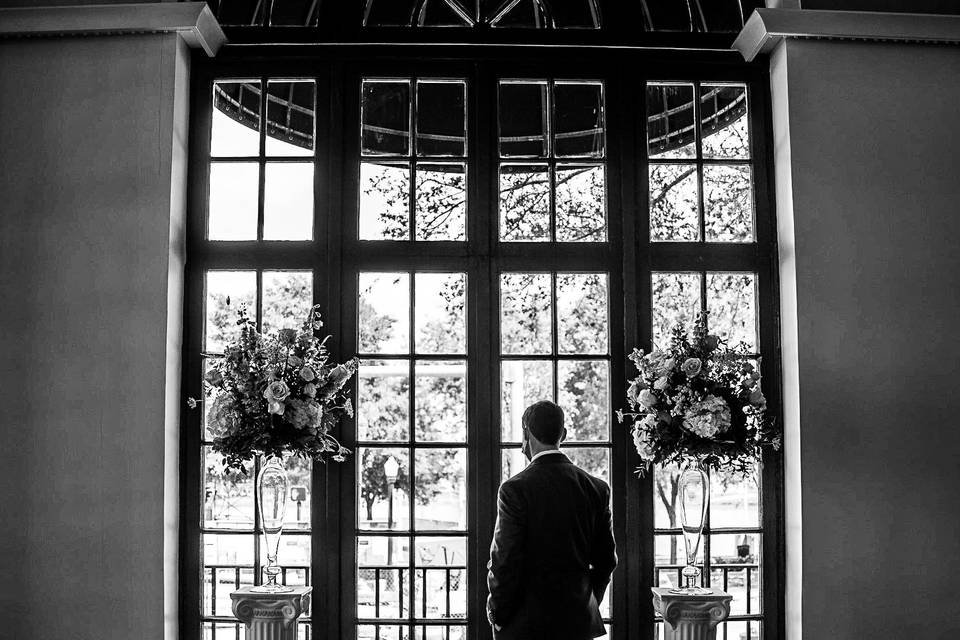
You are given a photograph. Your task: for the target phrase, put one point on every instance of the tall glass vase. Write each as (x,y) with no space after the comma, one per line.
(694,493)
(272,490)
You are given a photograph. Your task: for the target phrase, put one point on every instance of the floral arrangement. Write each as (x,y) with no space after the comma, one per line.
(700,399)
(277,394)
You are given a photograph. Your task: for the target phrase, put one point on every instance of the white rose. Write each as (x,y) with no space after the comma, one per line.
(275,407)
(661,383)
(691,367)
(647,399)
(307,374)
(276,391)
(310,389)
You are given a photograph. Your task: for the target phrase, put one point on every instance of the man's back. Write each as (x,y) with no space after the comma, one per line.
(552,553)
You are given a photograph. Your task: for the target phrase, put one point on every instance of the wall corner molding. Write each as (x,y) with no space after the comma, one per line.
(193,21)
(768,27)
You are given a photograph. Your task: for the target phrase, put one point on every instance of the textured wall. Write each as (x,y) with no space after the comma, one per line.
(92,140)
(868,143)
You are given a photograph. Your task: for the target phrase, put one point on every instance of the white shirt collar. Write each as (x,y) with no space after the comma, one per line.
(546,453)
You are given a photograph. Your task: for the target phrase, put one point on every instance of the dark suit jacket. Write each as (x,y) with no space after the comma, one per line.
(552,553)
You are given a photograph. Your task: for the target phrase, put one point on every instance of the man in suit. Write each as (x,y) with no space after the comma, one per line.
(553,549)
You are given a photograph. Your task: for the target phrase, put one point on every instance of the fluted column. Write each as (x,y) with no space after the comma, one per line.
(270,616)
(691,617)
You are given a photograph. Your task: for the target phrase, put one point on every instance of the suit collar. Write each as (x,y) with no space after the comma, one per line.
(557,457)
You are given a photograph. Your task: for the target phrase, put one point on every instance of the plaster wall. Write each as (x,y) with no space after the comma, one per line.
(867,146)
(92,146)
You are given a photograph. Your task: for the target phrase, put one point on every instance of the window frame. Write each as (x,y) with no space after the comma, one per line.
(335,255)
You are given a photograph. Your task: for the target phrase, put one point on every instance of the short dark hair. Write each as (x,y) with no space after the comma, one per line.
(544,419)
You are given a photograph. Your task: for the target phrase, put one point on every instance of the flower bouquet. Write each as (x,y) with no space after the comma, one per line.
(698,400)
(274,395)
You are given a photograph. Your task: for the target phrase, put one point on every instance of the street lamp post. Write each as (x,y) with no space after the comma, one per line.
(390,469)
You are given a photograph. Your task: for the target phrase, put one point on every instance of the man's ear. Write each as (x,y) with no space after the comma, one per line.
(563,434)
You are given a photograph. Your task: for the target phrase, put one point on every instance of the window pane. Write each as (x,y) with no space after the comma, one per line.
(525,313)
(382,504)
(666,500)
(734,499)
(583,392)
(670,119)
(740,629)
(593,460)
(670,552)
(290,118)
(728,203)
(581,204)
(441,489)
(582,312)
(382,593)
(294,552)
(524,203)
(676,299)
(384,201)
(579,124)
(732,303)
(723,111)
(383,400)
(288,201)
(227,550)
(384,309)
(227,291)
(299,475)
(385,551)
(227,495)
(523,119)
(674,202)
(235,126)
(441,202)
(287,299)
(441,118)
(441,401)
(522,382)
(385,115)
(441,580)
(731,554)
(440,310)
(512,462)
(234,189)
(217,584)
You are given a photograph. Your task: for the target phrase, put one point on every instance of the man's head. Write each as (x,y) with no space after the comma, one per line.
(542,427)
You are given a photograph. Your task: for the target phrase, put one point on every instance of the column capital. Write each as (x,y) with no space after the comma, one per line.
(192,21)
(691,617)
(279,611)
(768,27)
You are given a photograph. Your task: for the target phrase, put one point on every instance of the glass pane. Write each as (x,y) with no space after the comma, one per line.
(234,189)
(593,460)
(228,495)
(579,122)
(522,382)
(294,552)
(441,578)
(441,489)
(385,116)
(384,201)
(723,112)
(440,310)
(512,462)
(235,126)
(739,630)
(525,313)
(731,555)
(227,291)
(582,312)
(734,499)
(288,201)
(583,390)
(383,551)
(666,497)
(674,202)
(227,550)
(441,118)
(384,309)
(217,585)
(728,203)
(732,303)
(383,500)
(382,593)
(299,474)
(670,119)
(581,204)
(383,400)
(524,203)
(523,119)
(676,299)
(670,552)
(290,118)
(287,299)
(383,631)
(441,202)
(441,401)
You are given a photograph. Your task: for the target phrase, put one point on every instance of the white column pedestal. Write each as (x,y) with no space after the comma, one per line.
(270,616)
(691,617)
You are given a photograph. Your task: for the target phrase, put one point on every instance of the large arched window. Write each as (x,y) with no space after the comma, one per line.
(482,232)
